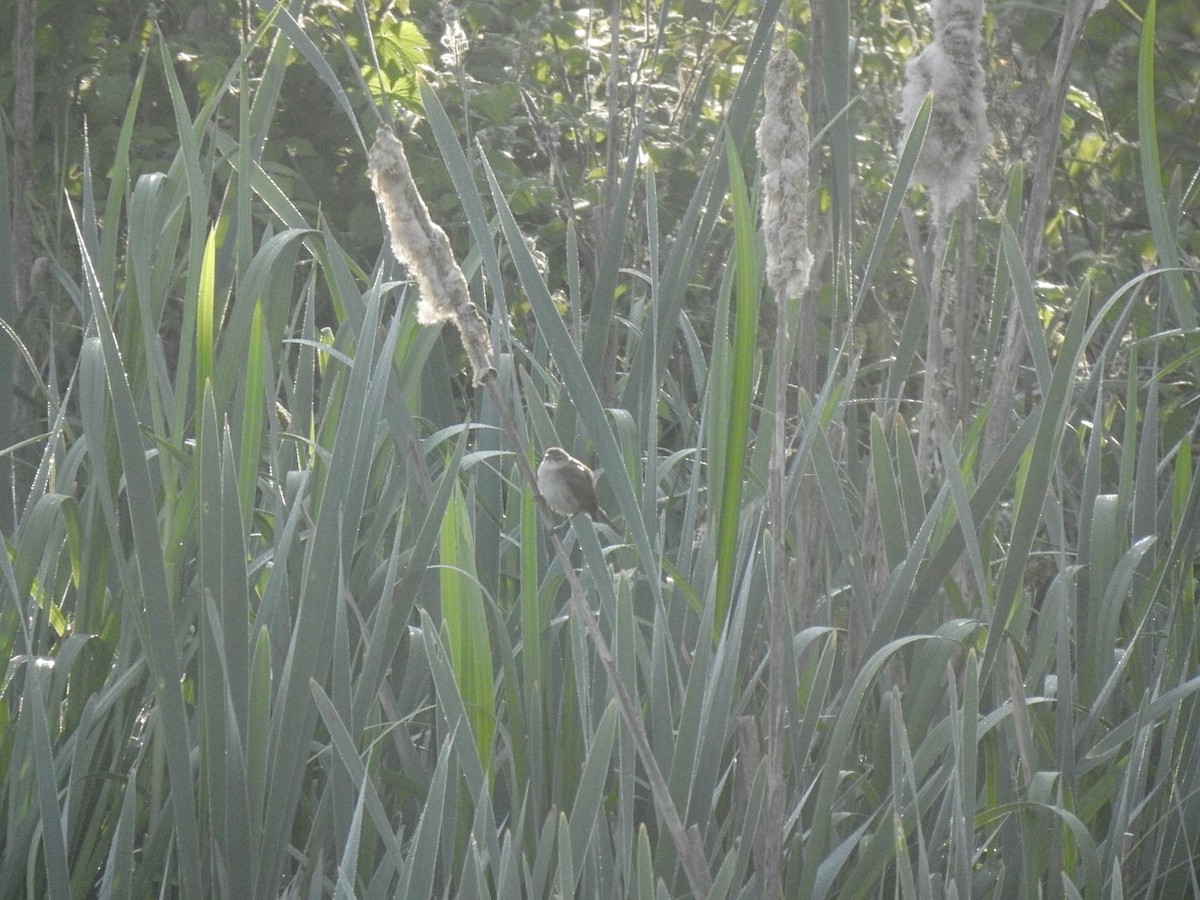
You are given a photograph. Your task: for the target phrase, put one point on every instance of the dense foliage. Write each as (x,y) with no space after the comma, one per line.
(280,614)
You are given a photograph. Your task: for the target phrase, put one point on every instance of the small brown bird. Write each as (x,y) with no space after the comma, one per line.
(569,486)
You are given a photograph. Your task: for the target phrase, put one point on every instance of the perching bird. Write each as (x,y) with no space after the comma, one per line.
(569,486)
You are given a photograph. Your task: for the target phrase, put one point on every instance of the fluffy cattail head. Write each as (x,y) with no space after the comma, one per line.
(783,149)
(422,245)
(958,130)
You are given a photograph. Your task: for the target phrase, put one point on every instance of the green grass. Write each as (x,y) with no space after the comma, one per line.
(280,617)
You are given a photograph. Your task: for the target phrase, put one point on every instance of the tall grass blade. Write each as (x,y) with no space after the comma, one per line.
(466,625)
(1165,240)
(742,387)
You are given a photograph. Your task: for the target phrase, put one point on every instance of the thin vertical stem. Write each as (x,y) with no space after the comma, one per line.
(778,670)
(932,413)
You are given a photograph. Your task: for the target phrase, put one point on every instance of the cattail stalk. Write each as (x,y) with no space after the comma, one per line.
(957,136)
(783,150)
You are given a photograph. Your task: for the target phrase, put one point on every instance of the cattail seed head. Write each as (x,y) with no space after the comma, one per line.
(958,130)
(783,149)
(422,245)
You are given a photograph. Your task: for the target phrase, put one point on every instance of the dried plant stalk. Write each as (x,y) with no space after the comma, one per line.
(422,245)
(783,148)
